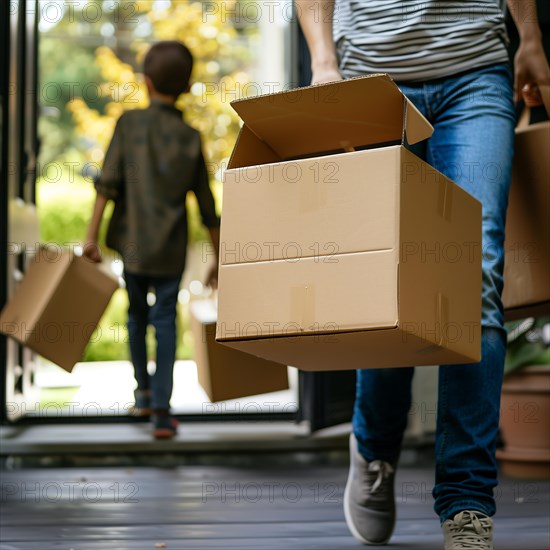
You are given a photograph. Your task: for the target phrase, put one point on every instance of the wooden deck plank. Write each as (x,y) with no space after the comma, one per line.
(425,535)
(189,507)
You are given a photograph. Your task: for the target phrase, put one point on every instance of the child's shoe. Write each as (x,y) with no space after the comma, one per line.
(142,406)
(165,426)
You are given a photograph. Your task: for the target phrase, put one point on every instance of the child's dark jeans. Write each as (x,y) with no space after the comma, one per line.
(163,317)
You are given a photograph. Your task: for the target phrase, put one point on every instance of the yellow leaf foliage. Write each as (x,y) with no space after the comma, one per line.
(219,75)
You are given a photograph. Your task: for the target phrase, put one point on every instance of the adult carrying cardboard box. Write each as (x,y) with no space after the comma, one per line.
(57,305)
(340,249)
(226,373)
(527,247)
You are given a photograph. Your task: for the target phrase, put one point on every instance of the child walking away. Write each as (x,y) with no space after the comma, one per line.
(153,161)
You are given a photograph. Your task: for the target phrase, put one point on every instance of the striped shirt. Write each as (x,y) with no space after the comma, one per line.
(418,39)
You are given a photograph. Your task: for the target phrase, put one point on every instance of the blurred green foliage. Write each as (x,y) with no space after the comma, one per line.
(62,78)
(528,343)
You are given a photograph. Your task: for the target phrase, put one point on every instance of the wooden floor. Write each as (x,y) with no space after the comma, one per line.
(290,507)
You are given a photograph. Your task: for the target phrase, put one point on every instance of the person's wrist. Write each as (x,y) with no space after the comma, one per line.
(325,63)
(530,35)
(324,69)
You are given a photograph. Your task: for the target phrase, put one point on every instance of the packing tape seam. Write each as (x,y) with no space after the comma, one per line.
(312,198)
(302,305)
(445,200)
(442,315)
(313,256)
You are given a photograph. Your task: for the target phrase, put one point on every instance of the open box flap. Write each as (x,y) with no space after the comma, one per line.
(331,117)
(416,126)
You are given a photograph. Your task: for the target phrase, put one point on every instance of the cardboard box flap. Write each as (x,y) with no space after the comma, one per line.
(250,150)
(331,117)
(417,128)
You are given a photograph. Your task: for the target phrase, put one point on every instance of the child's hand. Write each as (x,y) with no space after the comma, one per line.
(212,277)
(91,250)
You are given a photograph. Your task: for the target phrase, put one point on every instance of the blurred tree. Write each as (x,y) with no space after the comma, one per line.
(78,28)
(61,79)
(219,76)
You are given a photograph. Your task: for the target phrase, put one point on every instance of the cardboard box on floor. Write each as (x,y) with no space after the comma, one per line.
(226,373)
(57,305)
(527,247)
(340,249)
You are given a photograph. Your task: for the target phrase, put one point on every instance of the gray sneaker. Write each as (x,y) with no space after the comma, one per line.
(369,501)
(468,530)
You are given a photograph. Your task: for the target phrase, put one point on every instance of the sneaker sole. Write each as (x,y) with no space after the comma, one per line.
(167,433)
(347,511)
(164,433)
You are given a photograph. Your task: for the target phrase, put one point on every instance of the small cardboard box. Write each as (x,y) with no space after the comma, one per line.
(527,246)
(226,373)
(340,249)
(57,305)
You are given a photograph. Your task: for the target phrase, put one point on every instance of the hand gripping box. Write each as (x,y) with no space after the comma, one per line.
(57,305)
(340,249)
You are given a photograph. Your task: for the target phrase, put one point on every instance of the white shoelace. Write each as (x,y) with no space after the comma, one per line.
(384,470)
(469,531)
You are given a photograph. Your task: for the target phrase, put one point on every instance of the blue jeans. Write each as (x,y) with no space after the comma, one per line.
(473,117)
(163,317)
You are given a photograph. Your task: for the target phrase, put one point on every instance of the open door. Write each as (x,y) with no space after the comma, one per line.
(18,153)
(325,399)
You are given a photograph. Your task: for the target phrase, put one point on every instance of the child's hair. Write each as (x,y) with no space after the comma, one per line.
(168,64)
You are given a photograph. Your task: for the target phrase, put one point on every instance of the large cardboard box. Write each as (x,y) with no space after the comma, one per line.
(57,305)
(340,249)
(527,247)
(226,373)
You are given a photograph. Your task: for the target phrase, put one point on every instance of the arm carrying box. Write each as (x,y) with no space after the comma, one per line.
(340,249)
(57,305)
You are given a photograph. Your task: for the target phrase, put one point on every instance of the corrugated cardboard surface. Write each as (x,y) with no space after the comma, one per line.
(353,292)
(57,306)
(22,313)
(328,117)
(385,211)
(428,284)
(350,350)
(527,261)
(439,260)
(226,373)
(318,207)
